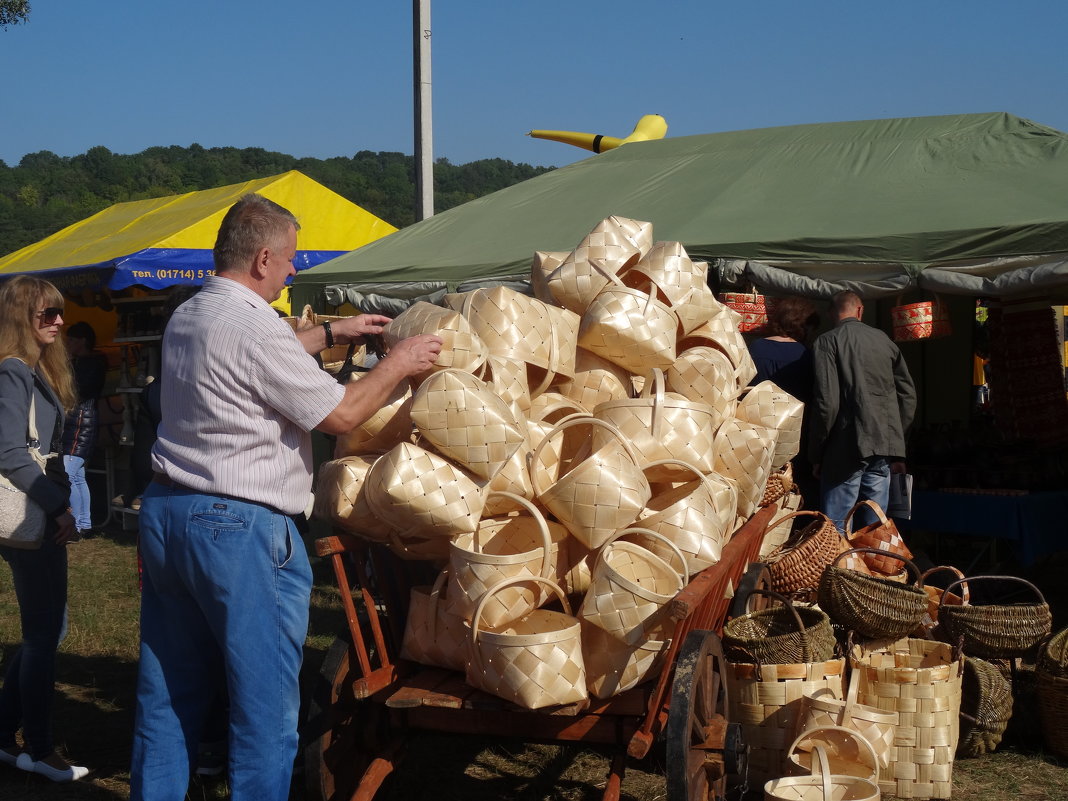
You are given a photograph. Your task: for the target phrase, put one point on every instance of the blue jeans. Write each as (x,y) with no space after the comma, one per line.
(227,585)
(79,492)
(40,579)
(870,481)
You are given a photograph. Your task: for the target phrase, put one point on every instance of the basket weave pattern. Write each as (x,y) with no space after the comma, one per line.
(920,681)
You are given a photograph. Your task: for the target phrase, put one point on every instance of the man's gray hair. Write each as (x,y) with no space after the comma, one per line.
(252,223)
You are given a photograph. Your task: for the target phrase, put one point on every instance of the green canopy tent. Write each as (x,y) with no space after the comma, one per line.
(968,204)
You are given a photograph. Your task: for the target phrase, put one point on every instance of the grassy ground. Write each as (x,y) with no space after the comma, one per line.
(95,697)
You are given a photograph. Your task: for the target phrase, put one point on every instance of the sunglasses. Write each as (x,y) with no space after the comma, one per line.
(50,315)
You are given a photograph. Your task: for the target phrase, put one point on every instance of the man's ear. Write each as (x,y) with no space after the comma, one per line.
(259,263)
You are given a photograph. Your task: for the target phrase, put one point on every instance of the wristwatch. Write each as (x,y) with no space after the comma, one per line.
(329,334)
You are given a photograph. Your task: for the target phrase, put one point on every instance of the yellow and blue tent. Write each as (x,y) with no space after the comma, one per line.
(164,241)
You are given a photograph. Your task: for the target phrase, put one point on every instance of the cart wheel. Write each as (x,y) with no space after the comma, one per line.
(756,577)
(336,729)
(702,746)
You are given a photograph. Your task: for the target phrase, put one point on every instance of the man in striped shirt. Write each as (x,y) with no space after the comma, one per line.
(227,581)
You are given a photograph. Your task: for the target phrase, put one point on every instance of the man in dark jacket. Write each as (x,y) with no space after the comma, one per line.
(864,402)
(79,429)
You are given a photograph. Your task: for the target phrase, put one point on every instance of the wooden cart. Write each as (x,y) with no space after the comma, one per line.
(367,697)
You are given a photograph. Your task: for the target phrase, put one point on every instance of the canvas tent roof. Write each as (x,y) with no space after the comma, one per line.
(969,204)
(168,240)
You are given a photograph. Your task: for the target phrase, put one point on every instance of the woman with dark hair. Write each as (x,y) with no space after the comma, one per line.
(35,373)
(783,356)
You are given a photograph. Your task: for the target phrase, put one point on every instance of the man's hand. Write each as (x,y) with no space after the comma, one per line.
(353,328)
(898,467)
(66,531)
(417,354)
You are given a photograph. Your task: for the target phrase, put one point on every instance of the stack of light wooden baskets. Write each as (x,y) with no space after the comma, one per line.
(924,683)
(570,461)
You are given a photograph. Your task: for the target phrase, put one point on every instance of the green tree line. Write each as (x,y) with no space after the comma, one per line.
(46,192)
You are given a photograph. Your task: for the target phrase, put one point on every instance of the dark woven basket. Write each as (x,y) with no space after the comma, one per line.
(996,631)
(779,635)
(985,708)
(874,607)
(799,562)
(1053,656)
(1053,711)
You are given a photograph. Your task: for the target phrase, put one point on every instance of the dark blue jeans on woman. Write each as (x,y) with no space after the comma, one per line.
(40,579)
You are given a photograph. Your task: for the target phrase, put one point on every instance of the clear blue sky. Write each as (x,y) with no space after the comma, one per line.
(328,78)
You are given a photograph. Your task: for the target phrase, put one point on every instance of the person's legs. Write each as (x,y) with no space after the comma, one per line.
(79,492)
(180,664)
(263,644)
(875,487)
(40,580)
(838,497)
(246,570)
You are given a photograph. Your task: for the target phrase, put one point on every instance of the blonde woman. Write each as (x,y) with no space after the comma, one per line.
(34,364)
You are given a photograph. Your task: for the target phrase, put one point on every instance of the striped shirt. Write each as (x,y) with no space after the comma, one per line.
(241,398)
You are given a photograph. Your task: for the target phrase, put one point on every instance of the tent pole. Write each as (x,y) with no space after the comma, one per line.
(424,136)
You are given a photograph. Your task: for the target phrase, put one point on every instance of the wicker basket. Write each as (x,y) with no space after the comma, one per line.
(869,605)
(821,785)
(461,347)
(779,634)
(543,265)
(604,253)
(751,306)
(466,421)
(848,752)
(882,535)
(389,425)
(778,531)
(722,332)
(697,308)
(919,681)
(929,623)
(340,500)
(596,496)
(766,700)
(511,324)
(630,328)
(704,375)
(504,548)
(1053,711)
(613,666)
(821,710)
(985,708)
(422,496)
(663,431)
(668,267)
(926,319)
(1053,655)
(695,515)
(799,563)
(629,588)
(997,631)
(595,381)
(744,452)
(433,635)
(535,661)
(767,405)
(779,483)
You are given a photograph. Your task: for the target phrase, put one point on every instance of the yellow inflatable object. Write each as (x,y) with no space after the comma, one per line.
(651,126)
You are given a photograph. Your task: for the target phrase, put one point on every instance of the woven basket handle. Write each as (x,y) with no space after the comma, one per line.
(846,718)
(965,594)
(539,518)
(848,522)
(697,473)
(435,597)
(568,423)
(907,562)
(961,581)
(798,513)
(860,739)
(805,651)
(654,390)
(477,617)
(683,575)
(819,758)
